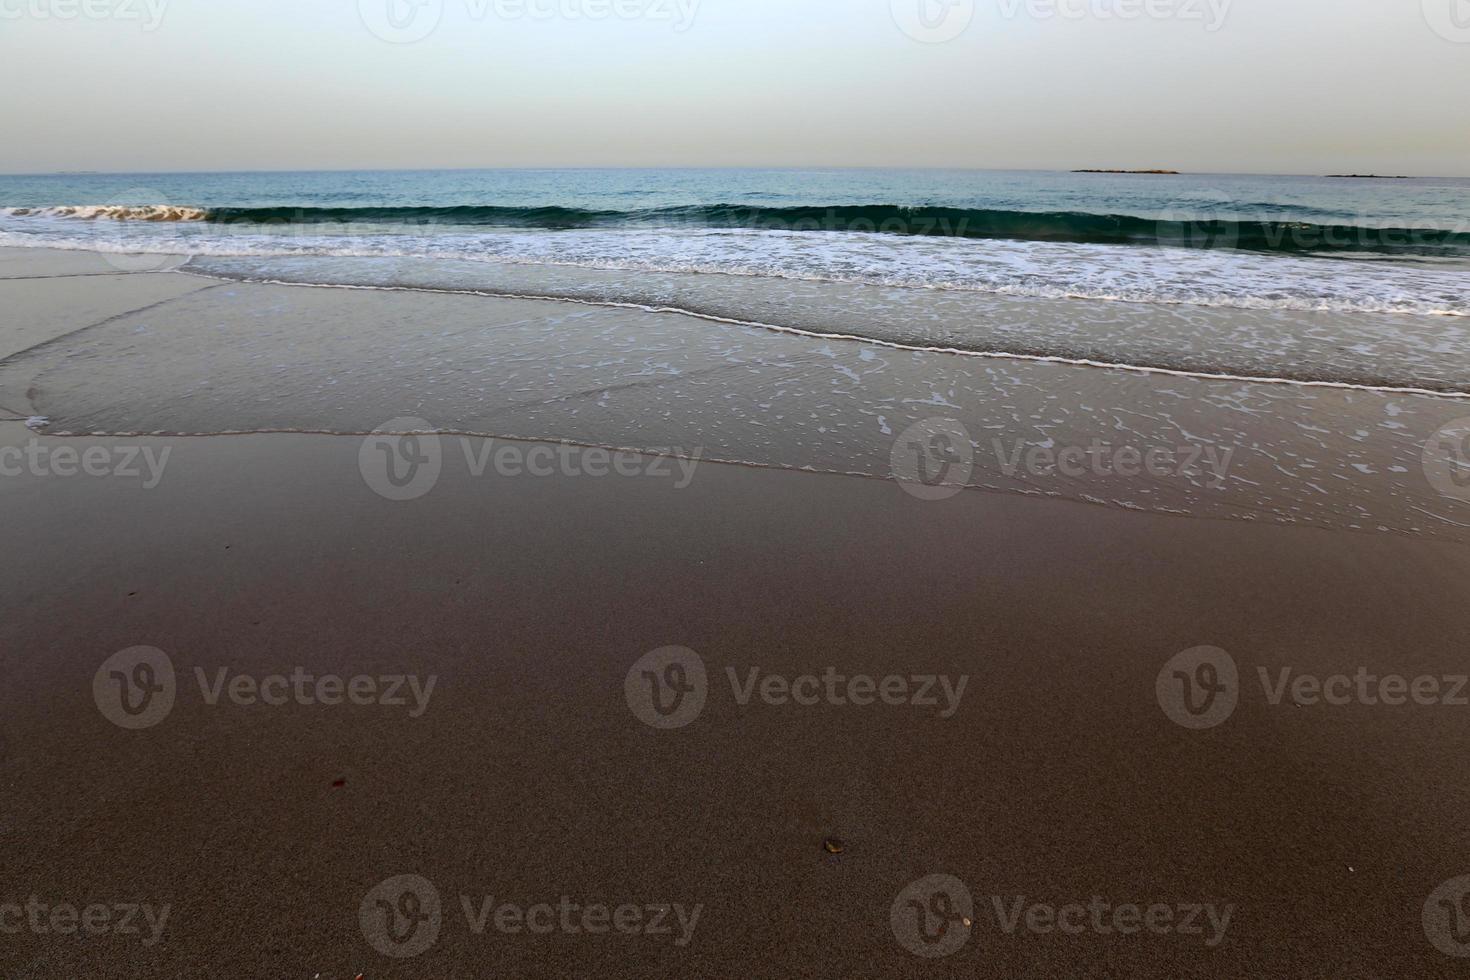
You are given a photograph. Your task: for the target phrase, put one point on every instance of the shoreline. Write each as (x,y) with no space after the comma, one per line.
(292,358)
(858,338)
(1048,306)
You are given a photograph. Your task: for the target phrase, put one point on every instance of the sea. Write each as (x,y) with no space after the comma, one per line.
(1255,242)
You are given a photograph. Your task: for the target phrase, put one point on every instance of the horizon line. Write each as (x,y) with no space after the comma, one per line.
(1121,172)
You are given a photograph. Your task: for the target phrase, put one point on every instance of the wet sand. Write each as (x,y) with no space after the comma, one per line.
(207,356)
(528,776)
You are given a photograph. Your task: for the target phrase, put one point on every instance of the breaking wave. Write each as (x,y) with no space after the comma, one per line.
(1263,234)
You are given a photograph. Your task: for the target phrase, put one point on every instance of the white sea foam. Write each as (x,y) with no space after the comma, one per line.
(116,212)
(1133,274)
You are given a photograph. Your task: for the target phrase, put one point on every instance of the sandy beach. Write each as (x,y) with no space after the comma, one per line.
(482,728)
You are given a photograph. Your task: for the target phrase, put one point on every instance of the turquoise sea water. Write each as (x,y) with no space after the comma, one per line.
(1021,205)
(1254,242)
(1417,201)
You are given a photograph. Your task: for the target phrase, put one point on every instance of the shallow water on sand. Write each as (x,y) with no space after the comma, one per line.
(1363,349)
(238,357)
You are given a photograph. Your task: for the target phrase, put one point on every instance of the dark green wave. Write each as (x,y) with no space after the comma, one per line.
(1067,226)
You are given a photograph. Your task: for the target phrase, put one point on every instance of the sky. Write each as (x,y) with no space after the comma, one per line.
(1245,86)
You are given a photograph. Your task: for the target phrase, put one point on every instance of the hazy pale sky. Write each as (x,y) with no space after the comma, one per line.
(1281,86)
